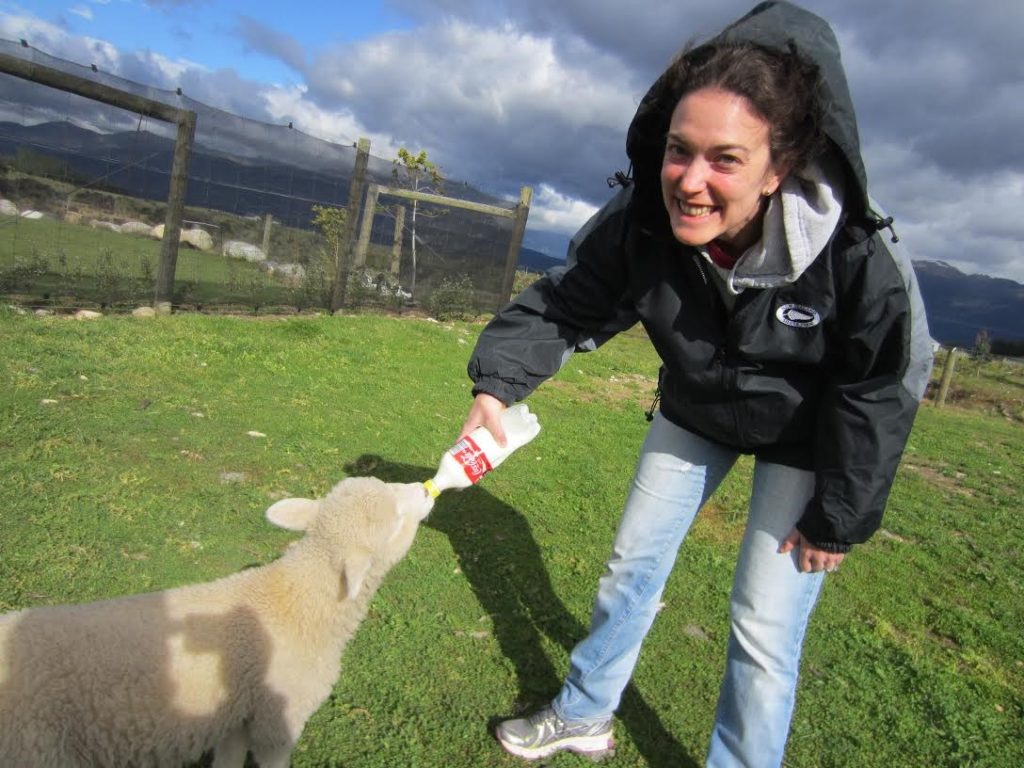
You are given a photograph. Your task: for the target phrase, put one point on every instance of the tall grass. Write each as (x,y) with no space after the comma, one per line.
(128,465)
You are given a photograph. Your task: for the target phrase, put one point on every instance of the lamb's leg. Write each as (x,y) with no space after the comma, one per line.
(231,750)
(279,757)
(275,733)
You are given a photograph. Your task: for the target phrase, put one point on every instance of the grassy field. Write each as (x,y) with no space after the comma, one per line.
(128,466)
(64,264)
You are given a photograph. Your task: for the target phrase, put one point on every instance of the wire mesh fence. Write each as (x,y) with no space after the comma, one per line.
(267,220)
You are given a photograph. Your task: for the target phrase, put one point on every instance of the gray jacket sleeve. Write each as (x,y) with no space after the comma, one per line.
(576,307)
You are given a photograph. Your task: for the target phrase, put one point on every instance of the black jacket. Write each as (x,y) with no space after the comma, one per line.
(823,371)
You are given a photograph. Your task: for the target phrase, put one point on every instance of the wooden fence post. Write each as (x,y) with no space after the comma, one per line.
(947,377)
(515,243)
(355,195)
(185,120)
(175,211)
(369,209)
(268,222)
(396,242)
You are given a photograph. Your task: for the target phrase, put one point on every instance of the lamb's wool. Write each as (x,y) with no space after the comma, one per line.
(237,665)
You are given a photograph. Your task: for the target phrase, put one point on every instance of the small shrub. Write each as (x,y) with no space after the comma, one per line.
(376,288)
(23,273)
(453,299)
(523,280)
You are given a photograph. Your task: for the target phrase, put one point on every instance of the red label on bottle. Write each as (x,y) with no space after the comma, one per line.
(472,460)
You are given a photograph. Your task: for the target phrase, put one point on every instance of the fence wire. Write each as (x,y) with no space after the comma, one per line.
(83,191)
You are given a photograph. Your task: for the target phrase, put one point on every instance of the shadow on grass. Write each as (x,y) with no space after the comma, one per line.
(505,567)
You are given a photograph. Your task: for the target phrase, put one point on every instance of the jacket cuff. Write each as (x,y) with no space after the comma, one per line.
(836,547)
(496,388)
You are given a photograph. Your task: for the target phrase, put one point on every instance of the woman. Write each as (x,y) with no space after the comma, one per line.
(788,328)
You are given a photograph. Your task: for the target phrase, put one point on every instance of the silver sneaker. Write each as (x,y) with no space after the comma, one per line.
(544,733)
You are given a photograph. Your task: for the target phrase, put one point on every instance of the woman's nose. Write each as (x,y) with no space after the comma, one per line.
(694,177)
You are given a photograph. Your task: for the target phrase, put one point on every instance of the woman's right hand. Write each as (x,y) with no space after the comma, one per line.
(486,411)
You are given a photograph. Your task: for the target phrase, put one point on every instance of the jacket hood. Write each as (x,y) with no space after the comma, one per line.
(776,25)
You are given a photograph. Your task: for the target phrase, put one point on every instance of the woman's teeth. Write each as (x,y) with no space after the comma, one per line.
(695,210)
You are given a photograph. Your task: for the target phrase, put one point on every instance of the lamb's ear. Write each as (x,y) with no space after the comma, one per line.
(357,565)
(293,514)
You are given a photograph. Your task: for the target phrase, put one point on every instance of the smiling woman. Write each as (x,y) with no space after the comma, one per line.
(718,171)
(747,246)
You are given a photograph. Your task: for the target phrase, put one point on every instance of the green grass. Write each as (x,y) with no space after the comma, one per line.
(140,475)
(62,263)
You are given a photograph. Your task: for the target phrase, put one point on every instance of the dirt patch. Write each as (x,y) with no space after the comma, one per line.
(715,525)
(934,476)
(620,388)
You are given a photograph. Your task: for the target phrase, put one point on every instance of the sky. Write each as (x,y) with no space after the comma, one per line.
(507,93)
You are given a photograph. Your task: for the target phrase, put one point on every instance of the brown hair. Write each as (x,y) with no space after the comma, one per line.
(780,86)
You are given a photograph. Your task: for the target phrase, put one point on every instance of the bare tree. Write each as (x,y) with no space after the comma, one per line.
(419,174)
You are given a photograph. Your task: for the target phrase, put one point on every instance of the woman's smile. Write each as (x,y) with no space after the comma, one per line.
(717,170)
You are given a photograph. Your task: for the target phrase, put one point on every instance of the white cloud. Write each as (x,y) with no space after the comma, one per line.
(55,41)
(81,10)
(493,105)
(340,126)
(555,212)
(973,223)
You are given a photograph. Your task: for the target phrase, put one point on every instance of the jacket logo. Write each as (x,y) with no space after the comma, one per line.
(797,316)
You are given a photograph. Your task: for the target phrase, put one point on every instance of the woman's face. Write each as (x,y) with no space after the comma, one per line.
(717,170)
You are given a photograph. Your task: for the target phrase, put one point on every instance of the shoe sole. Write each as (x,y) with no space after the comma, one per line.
(594,747)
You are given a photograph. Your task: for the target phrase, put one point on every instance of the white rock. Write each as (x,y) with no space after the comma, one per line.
(33,215)
(136,228)
(198,238)
(87,314)
(238,249)
(7,208)
(143,312)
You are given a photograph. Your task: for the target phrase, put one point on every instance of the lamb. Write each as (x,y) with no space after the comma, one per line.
(234,665)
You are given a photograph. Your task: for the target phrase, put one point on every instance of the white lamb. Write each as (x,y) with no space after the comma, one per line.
(235,665)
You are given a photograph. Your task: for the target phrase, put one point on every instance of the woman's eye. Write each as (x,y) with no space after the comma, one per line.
(727,160)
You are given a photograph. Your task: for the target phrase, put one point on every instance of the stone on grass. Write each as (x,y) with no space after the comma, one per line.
(198,238)
(237,249)
(136,228)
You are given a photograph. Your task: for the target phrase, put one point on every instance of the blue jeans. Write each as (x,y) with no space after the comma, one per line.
(770,604)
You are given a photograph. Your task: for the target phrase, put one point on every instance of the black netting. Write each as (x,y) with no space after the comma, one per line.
(83,199)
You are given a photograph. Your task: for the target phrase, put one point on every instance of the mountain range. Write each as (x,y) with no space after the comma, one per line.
(958,305)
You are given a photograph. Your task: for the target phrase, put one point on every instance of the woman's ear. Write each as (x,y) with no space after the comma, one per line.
(776,175)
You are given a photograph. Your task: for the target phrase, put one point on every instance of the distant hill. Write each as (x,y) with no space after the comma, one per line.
(959,305)
(535,261)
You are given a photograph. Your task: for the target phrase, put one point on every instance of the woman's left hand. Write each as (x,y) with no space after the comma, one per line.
(810,558)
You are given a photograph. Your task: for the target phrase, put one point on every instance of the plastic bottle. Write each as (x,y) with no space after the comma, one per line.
(478,453)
